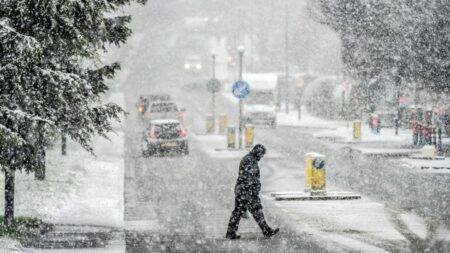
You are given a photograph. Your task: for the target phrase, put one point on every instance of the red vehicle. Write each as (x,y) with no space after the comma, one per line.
(163,136)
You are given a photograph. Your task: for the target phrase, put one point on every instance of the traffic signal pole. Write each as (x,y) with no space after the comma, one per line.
(286,51)
(241,128)
(214,93)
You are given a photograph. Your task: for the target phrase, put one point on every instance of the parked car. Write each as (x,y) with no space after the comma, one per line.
(165,135)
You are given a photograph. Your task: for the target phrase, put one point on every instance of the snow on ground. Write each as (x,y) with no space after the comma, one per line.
(356,224)
(143,225)
(307,120)
(216,146)
(107,249)
(78,189)
(342,131)
(361,225)
(339,131)
(386,151)
(415,224)
(428,166)
(343,216)
(10,245)
(387,135)
(443,233)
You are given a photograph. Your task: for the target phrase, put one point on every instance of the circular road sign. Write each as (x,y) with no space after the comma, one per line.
(213,85)
(241,89)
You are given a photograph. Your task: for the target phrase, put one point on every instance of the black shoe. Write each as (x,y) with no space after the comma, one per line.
(271,232)
(233,236)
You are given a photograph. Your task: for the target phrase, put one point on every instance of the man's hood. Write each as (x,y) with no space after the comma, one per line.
(258,151)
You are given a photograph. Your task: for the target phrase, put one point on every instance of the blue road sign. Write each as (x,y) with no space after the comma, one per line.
(241,89)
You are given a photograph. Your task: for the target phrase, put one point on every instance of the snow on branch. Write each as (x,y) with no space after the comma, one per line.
(9,34)
(25,116)
(11,136)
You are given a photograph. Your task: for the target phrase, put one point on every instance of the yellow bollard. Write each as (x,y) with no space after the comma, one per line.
(318,178)
(231,137)
(249,135)
(357,130)
(223,121)
(209,124)
(315,173)
(308,170)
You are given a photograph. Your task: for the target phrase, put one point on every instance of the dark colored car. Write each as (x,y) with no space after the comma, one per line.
(165,135)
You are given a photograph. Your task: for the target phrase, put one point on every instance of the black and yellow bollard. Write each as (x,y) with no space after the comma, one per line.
(249,135)
(357,130)
(223,121)
(209,124)
(315,173)
(318,176)
(231,137)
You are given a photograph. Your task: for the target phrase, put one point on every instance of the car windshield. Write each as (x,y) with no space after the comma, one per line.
(164,107)
(261,97)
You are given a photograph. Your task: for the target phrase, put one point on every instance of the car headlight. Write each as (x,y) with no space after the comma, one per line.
(198,66)
(187,66)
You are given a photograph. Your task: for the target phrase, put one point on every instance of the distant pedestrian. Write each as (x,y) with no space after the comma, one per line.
(246,192)
(438,122)
(415,127)
(427,128)
(374,123)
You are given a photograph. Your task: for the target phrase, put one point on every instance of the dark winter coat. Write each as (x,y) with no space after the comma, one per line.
(248,182)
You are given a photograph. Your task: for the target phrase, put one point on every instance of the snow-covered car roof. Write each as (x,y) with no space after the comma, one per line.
(156,97)
(164,121)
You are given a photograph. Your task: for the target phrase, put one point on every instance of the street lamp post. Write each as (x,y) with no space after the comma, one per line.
(286,51)
(241,127)
(214,92)
(397,105)
(214,65)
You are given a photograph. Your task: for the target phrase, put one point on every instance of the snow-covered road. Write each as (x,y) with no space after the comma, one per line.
(186,201)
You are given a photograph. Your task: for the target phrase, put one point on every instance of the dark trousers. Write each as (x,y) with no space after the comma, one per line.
(242,203)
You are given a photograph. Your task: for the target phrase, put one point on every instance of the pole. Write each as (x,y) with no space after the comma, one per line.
(214,92)
(397,103)
(286,45)
(343,105)
(397,118)
(241,56)
(214,65)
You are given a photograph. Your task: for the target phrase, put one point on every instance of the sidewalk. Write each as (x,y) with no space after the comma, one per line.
(387,143)
(79,189)
(344,225)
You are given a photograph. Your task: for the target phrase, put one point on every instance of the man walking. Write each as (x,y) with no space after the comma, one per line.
(246,192)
